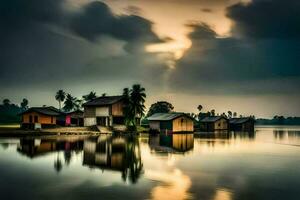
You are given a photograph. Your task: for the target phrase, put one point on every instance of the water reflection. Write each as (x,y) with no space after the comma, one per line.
(214,166)
(172,143)
(114,153)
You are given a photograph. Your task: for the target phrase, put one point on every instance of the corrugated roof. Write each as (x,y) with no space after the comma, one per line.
(212,119)
(239,120)
(103,101)
(44,110)
(164,116)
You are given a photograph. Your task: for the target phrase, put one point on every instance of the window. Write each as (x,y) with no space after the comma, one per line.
(36,119)
(219,124)
(51,120)
(30,118)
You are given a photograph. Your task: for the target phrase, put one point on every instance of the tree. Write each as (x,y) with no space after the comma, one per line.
(89,97)
(234,114)
(24,104)
(200,108)
(229,114)
(70,103)
(134,100)
(103,94)
(160,107)
(137,97)
(6,102)
(213,113)
(60,97)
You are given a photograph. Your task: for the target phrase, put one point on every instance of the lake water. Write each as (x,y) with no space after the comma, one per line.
(260,165)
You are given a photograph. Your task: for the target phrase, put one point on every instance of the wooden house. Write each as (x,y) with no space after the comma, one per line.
(74,118)
(245,124)
(214,123)
(105,111)
(40,117)
(171,122)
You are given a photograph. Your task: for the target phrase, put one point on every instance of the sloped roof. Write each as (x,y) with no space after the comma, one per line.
(51,111)
(103,101)
(165,116)
(212,118)
(239,120)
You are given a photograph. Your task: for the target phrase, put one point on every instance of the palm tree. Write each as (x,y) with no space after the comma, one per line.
(6,102)
(60,97)
(91,96)
(24,104)
(127,110)
(70,103)
(200,108)
(229,114)
(234,114)
(138,97)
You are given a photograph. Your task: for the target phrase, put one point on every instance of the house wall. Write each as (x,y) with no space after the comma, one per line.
(183,124)
(42,119)
(102,111)
(117,109)
(221,124)
(90,121)
(155,125)
(89,112)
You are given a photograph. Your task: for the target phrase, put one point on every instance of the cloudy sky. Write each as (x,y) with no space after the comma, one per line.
(239,55)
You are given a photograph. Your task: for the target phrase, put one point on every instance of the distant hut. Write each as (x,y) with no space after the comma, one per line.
(214,123)
(245,124)
(74,118)
(171,122)
(40,117)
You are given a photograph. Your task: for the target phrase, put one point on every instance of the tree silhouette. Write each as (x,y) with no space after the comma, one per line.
(134,100)
(160,107)
(200,107)
(24,104)
(91,96)
(229,114)
(6,102)
(60,97)
(70,103)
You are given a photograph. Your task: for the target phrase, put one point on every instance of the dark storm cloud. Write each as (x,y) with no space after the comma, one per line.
(259,57)
(45,44)
(267,18)
(97,19)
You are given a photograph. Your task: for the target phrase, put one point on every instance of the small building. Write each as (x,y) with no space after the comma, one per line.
(40,117)
(214,123)
(74,118)
(105,111)
(171,122)
(245,124)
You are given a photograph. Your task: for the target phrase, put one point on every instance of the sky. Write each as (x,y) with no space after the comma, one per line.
(238,55)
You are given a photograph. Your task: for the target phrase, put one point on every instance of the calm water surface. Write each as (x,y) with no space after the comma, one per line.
(260,165)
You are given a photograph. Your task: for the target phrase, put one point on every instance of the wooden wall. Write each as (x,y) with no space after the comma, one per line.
(221,124)
(89,111)
(182,124)
(42,119)
(117,109)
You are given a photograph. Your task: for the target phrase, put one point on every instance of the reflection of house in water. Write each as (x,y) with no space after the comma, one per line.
(114,153)
(32,147)
(172,143)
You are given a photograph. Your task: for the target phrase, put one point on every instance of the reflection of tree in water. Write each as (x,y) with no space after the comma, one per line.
(4,145)
(67,157)
(133,161)
(282,133)
(58,164)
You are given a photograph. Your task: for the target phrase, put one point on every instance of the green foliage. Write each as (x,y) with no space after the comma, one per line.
(160,107)
(9,114)
(6,102)
(24,104)
(70,103)
(91,96)
(60,97)
(134,100)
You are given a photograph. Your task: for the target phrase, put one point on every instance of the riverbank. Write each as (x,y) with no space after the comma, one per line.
(6,131)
